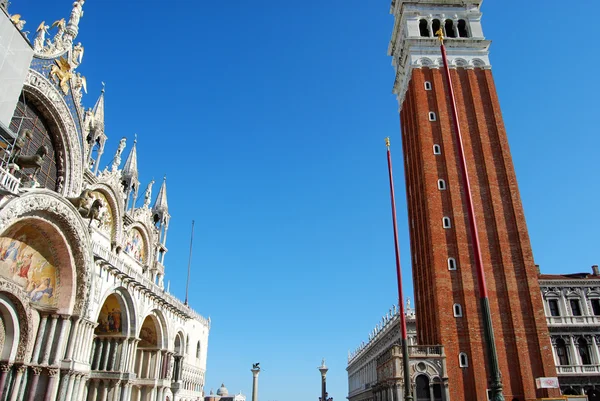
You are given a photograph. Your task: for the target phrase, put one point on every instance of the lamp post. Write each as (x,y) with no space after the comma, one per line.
(323,369)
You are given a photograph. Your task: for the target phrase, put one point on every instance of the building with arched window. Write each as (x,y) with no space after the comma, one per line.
(572,307)
(374,368)
(84,312)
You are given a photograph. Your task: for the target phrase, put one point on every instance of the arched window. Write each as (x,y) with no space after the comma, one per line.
(28,117)
(435,25)
(462,29)
(422,388)
(446,222)
(428,86)
(561,352)
(187,344)
(450,28)
(437,150)
(463,360)
(441,185)
(451,264)
(584,351)
(457,310)
(424,28)
(432,116)
(198,350)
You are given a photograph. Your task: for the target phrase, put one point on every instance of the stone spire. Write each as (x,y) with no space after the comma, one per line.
(160,210)
(130,171)
(129,176)
(98,111)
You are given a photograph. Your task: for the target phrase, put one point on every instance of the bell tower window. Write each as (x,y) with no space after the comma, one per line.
(424,28)
(436,25)
(450,29)
(462,28)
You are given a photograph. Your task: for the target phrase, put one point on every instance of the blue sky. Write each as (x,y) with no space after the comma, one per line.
(268,118)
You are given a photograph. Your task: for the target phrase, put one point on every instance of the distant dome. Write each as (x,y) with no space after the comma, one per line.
(223,391)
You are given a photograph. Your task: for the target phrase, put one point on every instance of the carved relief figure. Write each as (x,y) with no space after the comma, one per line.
(27,260)
(77,55)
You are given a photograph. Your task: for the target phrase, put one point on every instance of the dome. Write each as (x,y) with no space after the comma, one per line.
(223,391)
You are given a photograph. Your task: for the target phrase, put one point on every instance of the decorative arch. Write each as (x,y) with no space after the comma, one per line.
(51,103)
(179,343)
(129,242)
(114,205)
(153,330)
(55,214)
(125,313)
(12,304)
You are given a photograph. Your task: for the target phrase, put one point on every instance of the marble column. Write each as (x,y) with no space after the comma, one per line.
(49,342)
(99,353)
(73,388)
(115,352)
(104,394)
(127,391)
(138,396)
(72,338)
(64,385)
(39,340)
(105,353)
(82,386)
(141,366)
(92,390)
(37,371)
(60,345)
(116,396)
(147,370)
(595,352)
(52,388)
(133,355)
(17,382)
(4,369)
(576,360)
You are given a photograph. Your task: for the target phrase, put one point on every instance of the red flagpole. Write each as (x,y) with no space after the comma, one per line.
(496,380)
(404,341)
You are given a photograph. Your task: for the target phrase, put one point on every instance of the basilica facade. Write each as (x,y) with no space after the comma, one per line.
(84,313)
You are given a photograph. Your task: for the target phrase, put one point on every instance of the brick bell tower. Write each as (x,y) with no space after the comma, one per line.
(445,280)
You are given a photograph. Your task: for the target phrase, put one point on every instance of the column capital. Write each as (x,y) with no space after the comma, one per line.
(52,372)
(37,370)
(5,367)
(21,369)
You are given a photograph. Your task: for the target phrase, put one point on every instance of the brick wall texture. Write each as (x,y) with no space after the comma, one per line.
(522,340)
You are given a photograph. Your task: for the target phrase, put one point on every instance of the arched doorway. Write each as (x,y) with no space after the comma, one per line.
(151,359)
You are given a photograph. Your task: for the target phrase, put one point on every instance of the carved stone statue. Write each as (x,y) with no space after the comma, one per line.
(117,159)
(77,55)
(83,201)
(148,194)
(58,38)
(38,42)
(79,83)
(77,13)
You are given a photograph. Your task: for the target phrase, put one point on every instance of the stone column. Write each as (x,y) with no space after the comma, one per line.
(72,338)
(576,360)
(82,337)
(133,355)
(48,347)
(60,346)
(127,391)
(81,390)
(149,357)
(104,394)
(594,345)
(39,340)
(138,396)
(105,353)
(255,372)
(99,353)
(115,351)
(17,382)
(117,391)
(72,390)
(4,369)
(64,385)
(52,388)
(92,390)
(37,371)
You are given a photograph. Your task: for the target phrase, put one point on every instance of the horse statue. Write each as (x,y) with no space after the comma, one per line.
(33,161)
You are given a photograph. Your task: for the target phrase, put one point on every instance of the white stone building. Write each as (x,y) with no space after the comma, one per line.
(375,368)
(84,314)
(572,306)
